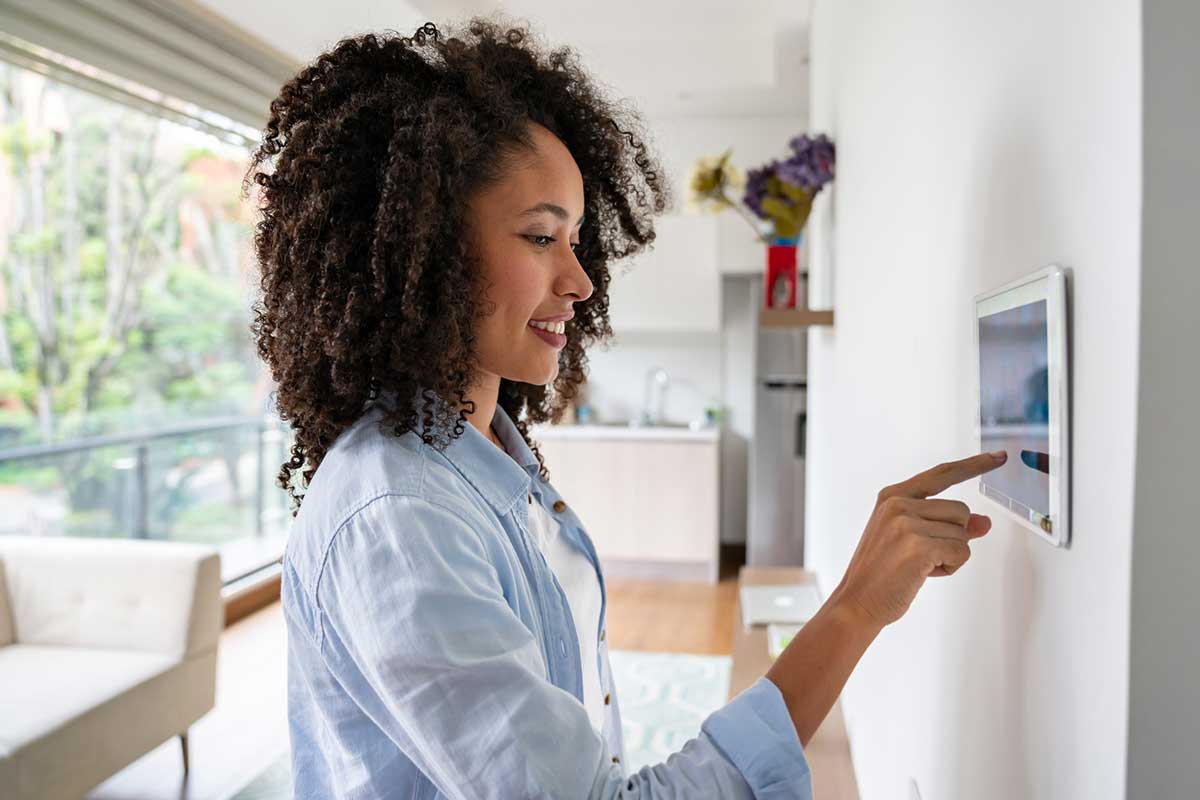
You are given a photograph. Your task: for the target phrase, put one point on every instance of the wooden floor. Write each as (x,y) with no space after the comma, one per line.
(667,617)
(235,740)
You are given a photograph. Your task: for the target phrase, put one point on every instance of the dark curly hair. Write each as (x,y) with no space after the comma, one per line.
(368,280)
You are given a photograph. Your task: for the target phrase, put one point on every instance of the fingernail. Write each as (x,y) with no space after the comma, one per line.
(999,455)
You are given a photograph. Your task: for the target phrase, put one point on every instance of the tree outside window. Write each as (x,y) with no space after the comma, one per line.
(125,285)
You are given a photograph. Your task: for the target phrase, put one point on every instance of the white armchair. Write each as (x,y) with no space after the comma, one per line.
(108,648)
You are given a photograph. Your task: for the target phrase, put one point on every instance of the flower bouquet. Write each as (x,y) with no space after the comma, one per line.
(780,192)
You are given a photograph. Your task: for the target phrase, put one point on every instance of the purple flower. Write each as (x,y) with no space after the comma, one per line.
(811,164)
(783,191)
(756,186)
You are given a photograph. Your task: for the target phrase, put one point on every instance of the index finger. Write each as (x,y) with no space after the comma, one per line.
(943,476)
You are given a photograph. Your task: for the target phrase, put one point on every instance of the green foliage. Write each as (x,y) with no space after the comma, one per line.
(20,144)
(174,345)
(93,523)
(210,523)
(194,154)
(787,205)
(22,386)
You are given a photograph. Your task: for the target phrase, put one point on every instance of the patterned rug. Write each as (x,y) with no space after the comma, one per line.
(664,697)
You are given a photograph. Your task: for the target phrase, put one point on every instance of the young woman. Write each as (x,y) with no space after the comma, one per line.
(435,239)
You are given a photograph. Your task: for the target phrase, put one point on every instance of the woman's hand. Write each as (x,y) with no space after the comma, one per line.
(910,538)
(907,539)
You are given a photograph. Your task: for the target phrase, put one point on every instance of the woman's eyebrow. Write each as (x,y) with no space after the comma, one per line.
(553,208)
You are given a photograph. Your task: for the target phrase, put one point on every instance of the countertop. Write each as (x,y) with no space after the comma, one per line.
(649,432)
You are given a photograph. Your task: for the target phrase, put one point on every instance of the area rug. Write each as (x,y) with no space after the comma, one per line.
(663,698)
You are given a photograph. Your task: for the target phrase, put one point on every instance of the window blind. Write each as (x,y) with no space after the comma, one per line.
(193,61)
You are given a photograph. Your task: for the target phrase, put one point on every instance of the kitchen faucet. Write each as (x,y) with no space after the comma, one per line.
(654,396)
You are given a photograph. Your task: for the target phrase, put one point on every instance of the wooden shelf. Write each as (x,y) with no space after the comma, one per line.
(793,317)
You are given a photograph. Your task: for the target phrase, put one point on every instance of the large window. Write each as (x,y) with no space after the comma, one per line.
(132,403)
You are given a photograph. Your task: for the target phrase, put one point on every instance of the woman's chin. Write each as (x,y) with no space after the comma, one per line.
(538,377)
(548,377)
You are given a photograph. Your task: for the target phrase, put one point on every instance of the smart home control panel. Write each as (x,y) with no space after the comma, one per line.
(1021,335)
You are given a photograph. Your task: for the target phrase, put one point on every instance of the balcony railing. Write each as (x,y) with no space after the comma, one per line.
(210,481)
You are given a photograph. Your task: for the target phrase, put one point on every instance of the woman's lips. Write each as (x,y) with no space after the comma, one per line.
(555,340)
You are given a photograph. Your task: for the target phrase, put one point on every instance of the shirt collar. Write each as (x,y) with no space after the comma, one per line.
(502,478)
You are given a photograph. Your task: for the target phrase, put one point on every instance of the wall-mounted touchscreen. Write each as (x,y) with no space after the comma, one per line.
(1021,334)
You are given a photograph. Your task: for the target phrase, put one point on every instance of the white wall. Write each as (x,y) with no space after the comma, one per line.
(1164,687)
(616,375)
(978,141)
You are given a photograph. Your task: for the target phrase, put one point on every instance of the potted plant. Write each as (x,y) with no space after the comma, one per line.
(780,192)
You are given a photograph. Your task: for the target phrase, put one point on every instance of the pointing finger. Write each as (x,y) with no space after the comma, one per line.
(943,476)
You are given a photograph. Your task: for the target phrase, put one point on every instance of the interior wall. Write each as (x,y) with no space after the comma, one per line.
(617,373)
(1164,693)
(979,141)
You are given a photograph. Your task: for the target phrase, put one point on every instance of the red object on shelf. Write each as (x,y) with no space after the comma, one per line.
(779,285)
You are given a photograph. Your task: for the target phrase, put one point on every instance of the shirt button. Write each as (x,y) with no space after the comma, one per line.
(531,499)
(607,699)
(562,647)
(616,760)
(559,506)
(603,633)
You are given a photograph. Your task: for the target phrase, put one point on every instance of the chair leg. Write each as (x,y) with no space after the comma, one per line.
(183,741)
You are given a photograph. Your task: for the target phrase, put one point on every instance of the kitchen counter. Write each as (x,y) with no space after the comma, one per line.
(668,479)
(651,432)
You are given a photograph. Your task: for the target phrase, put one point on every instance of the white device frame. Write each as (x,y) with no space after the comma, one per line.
(1050,284)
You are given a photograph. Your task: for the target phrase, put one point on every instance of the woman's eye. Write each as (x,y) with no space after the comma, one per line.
(549,240)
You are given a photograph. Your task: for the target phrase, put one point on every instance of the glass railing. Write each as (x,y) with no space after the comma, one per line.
(210,481)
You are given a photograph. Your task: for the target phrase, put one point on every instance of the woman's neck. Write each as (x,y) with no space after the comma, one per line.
(485,396)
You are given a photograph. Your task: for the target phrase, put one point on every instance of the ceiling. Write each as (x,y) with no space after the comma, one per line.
(700,57)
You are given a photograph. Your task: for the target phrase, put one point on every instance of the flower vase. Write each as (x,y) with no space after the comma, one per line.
(779,283)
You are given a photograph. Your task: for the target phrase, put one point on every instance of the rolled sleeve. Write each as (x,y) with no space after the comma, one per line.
(756,733)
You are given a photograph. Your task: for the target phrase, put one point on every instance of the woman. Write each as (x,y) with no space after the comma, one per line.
(435,244)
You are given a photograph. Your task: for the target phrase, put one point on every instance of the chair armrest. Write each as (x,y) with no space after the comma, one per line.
(123,594)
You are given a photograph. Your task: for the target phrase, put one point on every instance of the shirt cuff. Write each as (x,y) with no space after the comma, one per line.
(755,732)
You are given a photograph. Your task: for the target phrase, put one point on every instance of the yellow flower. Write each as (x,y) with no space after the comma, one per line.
(711,181)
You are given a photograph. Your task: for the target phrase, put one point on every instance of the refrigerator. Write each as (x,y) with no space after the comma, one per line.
(775,523)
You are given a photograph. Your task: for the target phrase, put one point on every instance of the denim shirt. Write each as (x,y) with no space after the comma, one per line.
(432,652)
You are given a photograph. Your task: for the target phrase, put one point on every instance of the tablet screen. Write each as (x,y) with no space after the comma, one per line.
(1015,403)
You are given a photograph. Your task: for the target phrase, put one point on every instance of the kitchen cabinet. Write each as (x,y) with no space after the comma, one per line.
(649,499)
(672,286)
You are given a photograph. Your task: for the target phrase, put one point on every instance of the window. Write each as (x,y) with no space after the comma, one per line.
(132,402)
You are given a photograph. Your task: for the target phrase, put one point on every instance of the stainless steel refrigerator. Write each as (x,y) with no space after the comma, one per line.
(775,524)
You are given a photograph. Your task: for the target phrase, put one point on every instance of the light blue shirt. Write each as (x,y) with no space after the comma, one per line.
(432,652)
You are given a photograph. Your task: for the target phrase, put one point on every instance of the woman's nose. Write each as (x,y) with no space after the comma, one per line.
(576,280)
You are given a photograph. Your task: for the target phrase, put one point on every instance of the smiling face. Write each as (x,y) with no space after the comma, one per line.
(526,229)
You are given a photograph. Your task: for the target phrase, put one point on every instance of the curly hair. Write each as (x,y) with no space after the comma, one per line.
(367,279)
